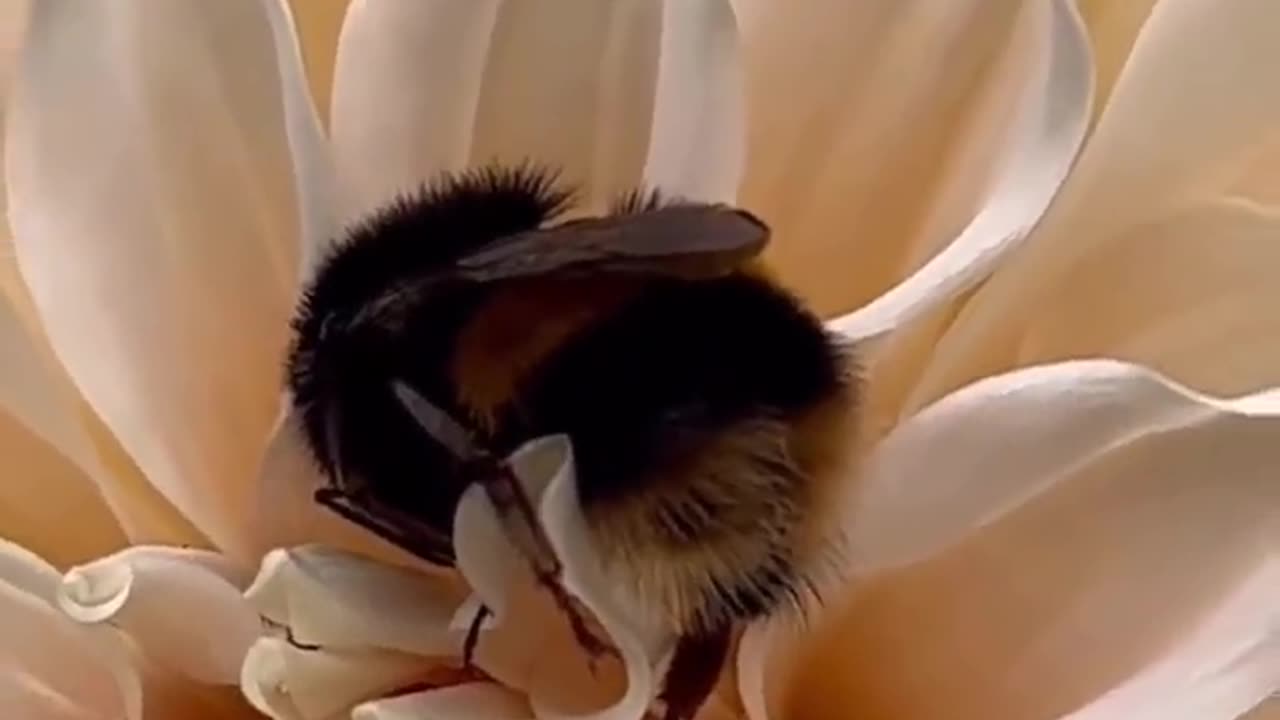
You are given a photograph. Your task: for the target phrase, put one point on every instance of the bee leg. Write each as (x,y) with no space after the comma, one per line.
(473,636)
(695,668)
(591,643)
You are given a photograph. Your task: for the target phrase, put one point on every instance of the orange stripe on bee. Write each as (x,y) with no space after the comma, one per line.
(521,325)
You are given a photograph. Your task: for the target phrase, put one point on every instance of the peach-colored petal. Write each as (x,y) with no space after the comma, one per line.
(462,702)
(847,155)
(338,599)
(1049,580)
(1190,294)
(1051,126)
(1228,666)
(406,89)
(1193,104)
(48,503)
(45,655)
(1193,296)
(182,607)
(548,72)
(697,143)
(149,172)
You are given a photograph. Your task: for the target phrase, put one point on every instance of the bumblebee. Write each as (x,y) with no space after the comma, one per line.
(711,414)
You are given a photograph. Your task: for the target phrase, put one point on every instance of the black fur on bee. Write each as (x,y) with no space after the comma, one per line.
(709,411)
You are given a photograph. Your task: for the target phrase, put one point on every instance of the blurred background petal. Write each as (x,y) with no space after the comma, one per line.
(159,241)
(847,158)
(1037,612)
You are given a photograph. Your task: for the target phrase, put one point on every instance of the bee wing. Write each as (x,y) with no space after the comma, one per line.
(690,241)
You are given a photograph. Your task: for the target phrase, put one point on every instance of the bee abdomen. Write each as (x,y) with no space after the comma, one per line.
(708,419)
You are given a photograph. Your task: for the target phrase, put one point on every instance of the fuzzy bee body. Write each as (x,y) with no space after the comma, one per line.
(709,412)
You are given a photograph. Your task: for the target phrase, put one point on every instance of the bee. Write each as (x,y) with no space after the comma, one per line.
(710,413)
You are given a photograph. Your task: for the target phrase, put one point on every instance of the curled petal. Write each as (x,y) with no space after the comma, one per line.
(1052,123)
(1065,525)
(341,600)
(183,608)
(149,170)
(462,702)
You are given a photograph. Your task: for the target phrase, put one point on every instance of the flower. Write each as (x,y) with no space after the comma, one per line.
(1054,239)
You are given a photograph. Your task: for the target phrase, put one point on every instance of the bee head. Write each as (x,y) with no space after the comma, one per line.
(362,323)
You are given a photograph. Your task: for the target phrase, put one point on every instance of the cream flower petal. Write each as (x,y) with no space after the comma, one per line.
(171,215)
(996,445)
(1052,123)
(406,87)
(462,702)
(1094,521)
(1193,296)
(848,160)
(1230,665)
(182,607)
(558,686)
(1194,102)
(338,599)
(549,71)
(309,149)
(697,143)
(286,682)
(42,653)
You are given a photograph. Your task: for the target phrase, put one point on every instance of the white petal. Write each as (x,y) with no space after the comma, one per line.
(993,446)
(24,570)
(1049,580)
(341,600)
(1230,665)
(1053,120)
(697,145)
(290,683)
(406,88)
(183,608)
(539,651)
(549,70)
(463,702)
(149,171)
(312,165)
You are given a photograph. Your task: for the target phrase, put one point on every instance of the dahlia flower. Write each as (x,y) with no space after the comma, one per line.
(1050,226)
